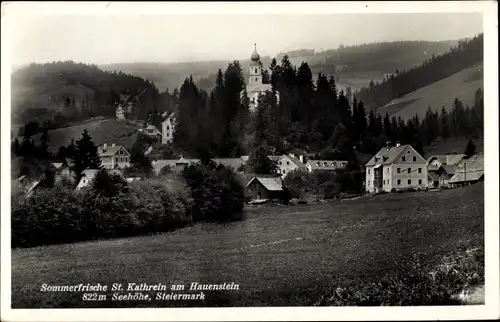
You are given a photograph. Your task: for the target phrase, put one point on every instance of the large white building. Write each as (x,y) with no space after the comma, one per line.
(399,167)
(255,87)
(167,128)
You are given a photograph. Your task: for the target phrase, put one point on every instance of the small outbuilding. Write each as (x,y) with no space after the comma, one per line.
(261,187)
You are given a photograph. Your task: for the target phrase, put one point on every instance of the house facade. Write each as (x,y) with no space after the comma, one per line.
(120,113)
(168,128)
(114,156)
(287,163)
(255,87)
(152,132)
(263,187)
(395,168)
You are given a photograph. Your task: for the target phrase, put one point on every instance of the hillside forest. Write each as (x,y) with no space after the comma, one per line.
(312,114)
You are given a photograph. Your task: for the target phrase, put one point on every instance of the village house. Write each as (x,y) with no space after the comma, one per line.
(120,113)
(442,167)
(167,128)
(326,165)
(468,172)
(114,156)
(255,87)
(64,171)
(448,159)
(288,162)
(264,187)
(395,168)
(152,132)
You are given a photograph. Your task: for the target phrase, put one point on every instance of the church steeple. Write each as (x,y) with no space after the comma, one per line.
(255,70)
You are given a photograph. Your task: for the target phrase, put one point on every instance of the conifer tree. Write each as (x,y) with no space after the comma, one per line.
(86,154)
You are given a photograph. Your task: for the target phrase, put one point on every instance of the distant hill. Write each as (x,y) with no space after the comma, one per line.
(102,131)
(466,54)
(355,66)
(461,85)
(63,92)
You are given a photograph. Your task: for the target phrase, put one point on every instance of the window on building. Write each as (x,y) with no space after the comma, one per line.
(288,163)
(419,170)
(420,181)
(399,182)
(414,159)
(368,182)
(168,127)
(387,170)
(116,159)
(368,171)
(255,78)
(255,70)
(409,170)
(404,159)
(284,171)
(409,181)
(399,170)
(384,181)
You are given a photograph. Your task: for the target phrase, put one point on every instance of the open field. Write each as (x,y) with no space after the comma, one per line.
(461,85)
(102,131)
(278,255)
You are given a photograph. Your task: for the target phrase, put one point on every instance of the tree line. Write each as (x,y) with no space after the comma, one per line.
(402,82)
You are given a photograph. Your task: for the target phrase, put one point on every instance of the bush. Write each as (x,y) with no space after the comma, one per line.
(298,183)
(324,183)
(217,193)
(104,209)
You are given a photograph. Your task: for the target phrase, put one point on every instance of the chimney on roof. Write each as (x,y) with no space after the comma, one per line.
(387,145)
(104,146)
(301,158)
(113,145)
(398,144)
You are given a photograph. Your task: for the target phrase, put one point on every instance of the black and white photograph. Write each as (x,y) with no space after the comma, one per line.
(249,155)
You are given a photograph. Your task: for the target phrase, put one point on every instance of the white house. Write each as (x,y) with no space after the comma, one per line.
(114,156)
(288,162)
(167,128)
(399,167)
(255,87)
(120,113)
(325,165)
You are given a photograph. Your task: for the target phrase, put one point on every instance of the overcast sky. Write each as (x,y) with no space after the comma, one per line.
(108,39)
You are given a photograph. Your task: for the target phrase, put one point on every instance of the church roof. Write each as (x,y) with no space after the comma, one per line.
(255,56)
(259,88)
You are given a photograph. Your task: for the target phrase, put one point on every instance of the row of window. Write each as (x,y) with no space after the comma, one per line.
(121,159)
(399,170)
(398,182)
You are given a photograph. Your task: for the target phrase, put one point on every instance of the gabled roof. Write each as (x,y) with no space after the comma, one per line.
(326,164)
(450,159)
(69,162)
(471,169)
(270,183)
(449,169)
(296,161)
(466,177)
(386,156)
(160,164)
(57,165)
(110,150)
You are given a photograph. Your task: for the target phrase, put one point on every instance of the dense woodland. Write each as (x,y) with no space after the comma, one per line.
(310,116)
(402,82)
(65,92)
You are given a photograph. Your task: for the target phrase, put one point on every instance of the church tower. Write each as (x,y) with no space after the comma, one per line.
(255,68)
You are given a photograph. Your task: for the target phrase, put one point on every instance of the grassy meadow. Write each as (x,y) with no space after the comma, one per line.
(279,256)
